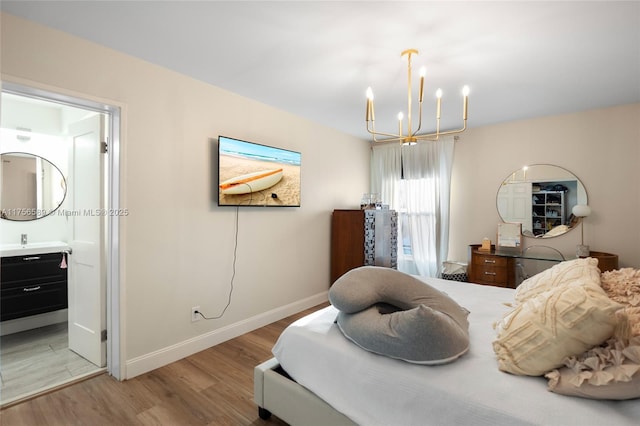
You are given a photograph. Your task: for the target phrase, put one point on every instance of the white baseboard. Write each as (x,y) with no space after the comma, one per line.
(159,358)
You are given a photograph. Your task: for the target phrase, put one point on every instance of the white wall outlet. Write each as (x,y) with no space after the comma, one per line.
(195,316)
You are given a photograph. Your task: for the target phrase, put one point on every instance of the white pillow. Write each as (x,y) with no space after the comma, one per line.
(540,333)
(562,273)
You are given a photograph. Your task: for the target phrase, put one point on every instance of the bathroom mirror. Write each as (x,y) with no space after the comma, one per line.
(32,187)
(541,197)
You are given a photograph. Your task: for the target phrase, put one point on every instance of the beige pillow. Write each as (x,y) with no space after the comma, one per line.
(562,273)
(540,333)
(611,371)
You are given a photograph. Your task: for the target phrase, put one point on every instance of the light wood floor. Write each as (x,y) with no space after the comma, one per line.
(35,359)
(212,387)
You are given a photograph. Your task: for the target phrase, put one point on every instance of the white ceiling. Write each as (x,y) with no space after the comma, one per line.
(316,58)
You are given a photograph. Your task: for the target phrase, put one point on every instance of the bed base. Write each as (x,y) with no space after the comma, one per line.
(275,392)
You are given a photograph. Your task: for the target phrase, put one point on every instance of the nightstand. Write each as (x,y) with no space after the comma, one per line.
(606,261)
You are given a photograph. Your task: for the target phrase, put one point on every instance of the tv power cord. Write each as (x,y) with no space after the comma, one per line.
(233,276)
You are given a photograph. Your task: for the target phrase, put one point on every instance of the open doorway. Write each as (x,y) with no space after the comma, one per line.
(81,139)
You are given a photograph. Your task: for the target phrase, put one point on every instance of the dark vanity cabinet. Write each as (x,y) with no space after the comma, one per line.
(32,284)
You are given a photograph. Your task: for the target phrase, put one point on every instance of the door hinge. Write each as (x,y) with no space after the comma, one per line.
(103,147)
(103,336)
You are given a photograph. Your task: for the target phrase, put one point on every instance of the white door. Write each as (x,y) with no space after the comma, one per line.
(87,281)
(514,204)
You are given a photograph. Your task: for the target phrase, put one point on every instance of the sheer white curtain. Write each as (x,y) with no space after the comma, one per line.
(415,181)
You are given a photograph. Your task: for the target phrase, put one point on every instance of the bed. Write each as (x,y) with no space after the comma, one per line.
(318,377)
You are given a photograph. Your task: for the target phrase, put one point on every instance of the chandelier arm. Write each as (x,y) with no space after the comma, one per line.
(390,135)
(431,137)
(388,140)
(419,120)
(373,130)
(448,132)
(374,133)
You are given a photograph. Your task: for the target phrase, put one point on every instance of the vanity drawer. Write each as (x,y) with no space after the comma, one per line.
(22,301)
(31,270)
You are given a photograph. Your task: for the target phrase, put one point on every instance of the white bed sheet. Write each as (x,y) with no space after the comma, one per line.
(376,390)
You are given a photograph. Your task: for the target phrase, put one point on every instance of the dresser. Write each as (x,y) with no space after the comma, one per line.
(489,268)
(499,269)
(361,238)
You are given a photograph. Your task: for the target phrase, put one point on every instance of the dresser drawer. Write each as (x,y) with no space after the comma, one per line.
(492,275)
(481,260)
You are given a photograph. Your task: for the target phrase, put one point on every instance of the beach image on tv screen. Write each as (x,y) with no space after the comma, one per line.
(252,174)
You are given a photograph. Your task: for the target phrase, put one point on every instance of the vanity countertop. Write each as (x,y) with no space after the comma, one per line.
(7,250)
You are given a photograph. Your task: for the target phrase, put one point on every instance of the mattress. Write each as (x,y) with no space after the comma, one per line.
(375,390)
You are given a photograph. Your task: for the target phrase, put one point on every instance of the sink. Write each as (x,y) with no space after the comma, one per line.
(7,250)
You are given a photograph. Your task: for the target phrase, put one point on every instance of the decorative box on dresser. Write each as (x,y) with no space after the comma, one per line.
(363,237)
(486,267)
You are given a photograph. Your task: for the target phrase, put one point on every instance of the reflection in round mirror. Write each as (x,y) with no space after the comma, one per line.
(541,197)
(32,187)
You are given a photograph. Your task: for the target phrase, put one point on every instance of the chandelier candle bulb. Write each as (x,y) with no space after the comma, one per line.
(465,93)
(370,114)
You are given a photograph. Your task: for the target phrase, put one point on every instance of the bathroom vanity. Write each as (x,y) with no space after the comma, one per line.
(33,279)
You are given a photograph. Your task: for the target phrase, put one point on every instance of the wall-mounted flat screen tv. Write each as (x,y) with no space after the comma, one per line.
(252,174)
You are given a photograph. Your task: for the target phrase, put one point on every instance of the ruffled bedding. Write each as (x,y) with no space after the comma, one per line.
(623,286)
(609,371)
(578,328)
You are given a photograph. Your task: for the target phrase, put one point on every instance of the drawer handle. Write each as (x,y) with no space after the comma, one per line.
(31,258)
(490,273)
(31,288)
(489,261)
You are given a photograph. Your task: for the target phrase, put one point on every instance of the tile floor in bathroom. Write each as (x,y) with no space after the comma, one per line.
(36,359)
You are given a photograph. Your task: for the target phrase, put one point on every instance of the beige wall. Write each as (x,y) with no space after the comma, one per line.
(177,245)
(601,147)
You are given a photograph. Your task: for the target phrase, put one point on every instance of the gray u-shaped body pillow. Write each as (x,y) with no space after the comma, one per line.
(394,314)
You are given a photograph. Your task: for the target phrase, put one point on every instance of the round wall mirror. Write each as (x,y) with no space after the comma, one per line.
(32,187)
(541,197)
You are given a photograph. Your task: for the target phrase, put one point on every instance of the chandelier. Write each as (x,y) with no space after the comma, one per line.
(412,137)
